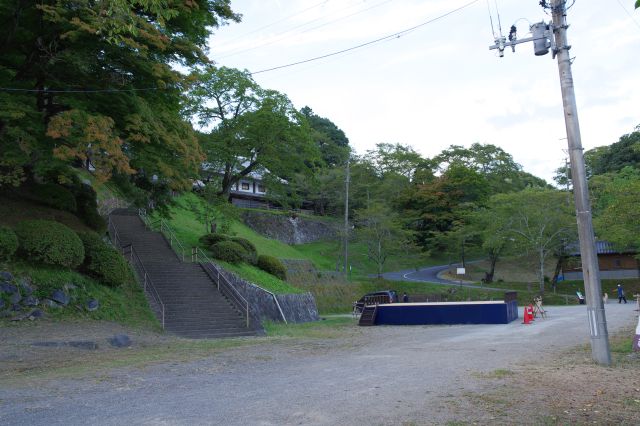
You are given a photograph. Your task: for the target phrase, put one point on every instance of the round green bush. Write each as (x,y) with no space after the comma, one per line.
(49,242)
(87,208)
(249,248)
(228,251)
(272,265)
(93,220)
(103,261)
(211,239)
(8,243)
(55,196)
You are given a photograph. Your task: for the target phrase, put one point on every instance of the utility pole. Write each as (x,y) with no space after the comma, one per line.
(554,36)
(600,351)
(346,221)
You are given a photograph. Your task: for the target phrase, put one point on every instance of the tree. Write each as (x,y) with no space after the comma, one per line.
(379,228)
(95,81)
(330,139)
(252,129)
(540,221)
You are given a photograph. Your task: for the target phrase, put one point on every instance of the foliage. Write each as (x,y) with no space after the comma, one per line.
(615,157)
(86,200)
(49,242)
(97,81)
(103,261)
(540,221)
(8,243)
(250,249)
(55,196)
(213,210)
(617,197)
(272,265)
(253,130)
(381,231)
(331,140)
(228,251)
(211,239)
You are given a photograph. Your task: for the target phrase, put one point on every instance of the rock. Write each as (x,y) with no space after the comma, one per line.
(6,275)
(61,297)
(120,341)
(36,313)
(93,305)
(16,308)
(50,303)
(30,301)
(70,286)
(15,297)
(26,286)
(8,288)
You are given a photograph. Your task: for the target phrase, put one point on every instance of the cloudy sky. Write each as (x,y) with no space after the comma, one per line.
(440,84)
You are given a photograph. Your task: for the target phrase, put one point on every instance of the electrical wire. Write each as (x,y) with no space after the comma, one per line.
(11,89)
(390,36)
(287,34)
(630,15)
(493,31)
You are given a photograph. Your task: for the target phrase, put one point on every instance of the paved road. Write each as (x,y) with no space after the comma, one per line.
(380,375)
(430,275)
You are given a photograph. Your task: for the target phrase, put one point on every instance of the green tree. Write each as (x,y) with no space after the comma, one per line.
(330,139)
(613,158)
(540,221)
(95,80)
(381,231)
(252,129)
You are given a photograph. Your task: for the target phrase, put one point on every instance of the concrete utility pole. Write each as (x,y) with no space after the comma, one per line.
(346,221)
(591,274)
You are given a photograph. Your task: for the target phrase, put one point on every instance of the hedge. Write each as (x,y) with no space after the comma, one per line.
(8,243)
(249,248)
(272,265)
(103,261)
(211,239)
(86,200)
(55,196)
(228,251)
(49,242)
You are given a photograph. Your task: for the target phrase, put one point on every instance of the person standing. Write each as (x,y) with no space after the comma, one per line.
(621,294)
(405,297)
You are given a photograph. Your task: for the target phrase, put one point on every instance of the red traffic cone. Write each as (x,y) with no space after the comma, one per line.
(526,317)
(532,317)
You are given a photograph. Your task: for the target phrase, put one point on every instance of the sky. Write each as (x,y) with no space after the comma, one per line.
(440,85)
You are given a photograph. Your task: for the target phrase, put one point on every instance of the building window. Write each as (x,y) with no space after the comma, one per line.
(617,262)
(261,188)
(244,186)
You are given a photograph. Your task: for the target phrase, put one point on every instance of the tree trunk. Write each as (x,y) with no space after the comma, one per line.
(556,273)
(541,254)
(488,276)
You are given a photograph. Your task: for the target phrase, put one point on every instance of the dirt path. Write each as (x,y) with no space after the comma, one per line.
(375,375)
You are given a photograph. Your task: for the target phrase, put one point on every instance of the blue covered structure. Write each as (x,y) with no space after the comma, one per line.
(498,312)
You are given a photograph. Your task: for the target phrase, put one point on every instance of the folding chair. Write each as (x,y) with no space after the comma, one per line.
(537,308)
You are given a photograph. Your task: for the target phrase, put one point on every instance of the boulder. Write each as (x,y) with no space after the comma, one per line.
(15,297)
(120,341)
(26,287)
(6,275)
(61,297)
(8,288)
(30,301)
(50,303)
(36,313)
(93,305)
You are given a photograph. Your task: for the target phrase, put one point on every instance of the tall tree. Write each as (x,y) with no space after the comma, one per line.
(251,129)
(330,139)
(539,220)
(96,80)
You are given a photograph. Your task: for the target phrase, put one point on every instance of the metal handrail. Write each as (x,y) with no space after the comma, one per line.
(164,229)
(226,288)
(147,282)
(146,279)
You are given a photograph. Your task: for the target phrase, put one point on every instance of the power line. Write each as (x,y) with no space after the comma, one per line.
(630,15)
(11,89)
(390,36)
(287,34)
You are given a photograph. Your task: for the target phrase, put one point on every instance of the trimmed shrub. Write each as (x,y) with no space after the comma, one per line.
(8,243)
(94,221)
(104,262)
(272,265)
(86,200)
(49,242)
(211,239)
(228,251)
(252,253)
(55,196)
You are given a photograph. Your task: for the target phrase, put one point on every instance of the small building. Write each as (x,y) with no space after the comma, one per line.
(613,264)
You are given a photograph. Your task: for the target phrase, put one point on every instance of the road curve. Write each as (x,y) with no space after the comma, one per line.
(430,275)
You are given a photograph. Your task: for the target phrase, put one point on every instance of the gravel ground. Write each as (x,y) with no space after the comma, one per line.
(375,375)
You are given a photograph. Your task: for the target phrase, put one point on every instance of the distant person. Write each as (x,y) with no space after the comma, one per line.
(621,294)
(605,298)
(405,298)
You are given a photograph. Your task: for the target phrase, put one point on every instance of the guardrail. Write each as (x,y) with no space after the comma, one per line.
(224,286)
(164,228)
(138,266)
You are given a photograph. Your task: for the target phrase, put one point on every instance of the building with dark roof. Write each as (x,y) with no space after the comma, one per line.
(613,263)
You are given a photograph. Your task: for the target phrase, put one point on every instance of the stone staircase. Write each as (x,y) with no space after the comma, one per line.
(194,308)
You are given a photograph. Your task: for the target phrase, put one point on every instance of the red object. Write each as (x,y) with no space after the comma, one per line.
(527,314)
